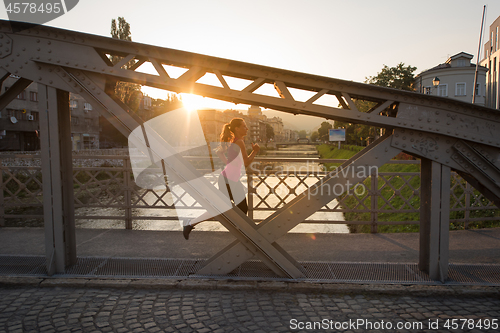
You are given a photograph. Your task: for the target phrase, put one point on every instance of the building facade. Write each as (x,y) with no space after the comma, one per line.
(492,62)
(84,124)
(20,121)
(456,79)
(212,122)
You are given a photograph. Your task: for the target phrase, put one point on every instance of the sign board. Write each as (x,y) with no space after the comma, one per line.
(337,134)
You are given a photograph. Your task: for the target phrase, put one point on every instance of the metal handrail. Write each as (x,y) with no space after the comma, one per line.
(126,190)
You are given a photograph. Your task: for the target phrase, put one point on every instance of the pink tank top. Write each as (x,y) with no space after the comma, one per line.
(233,169)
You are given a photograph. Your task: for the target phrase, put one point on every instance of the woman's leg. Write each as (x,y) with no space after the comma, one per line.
(224,188)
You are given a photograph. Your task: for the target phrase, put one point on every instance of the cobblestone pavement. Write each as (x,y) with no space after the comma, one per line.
(71,309)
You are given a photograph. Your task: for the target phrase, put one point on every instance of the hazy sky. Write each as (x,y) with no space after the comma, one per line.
(342,39)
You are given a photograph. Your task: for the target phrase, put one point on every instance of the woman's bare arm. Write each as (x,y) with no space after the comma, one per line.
(248,159)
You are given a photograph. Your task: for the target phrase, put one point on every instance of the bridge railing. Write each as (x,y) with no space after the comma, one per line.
(104,190)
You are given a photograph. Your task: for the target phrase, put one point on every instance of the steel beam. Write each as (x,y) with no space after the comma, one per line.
(350,173)
(17,88)
(57,173)
(434,219)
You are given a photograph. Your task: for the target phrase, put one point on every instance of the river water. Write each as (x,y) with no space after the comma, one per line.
(280,191)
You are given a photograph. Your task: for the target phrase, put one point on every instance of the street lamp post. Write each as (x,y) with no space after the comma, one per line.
(435,83)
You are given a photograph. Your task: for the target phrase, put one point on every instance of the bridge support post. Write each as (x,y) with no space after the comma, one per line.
(57,173)
(434,219)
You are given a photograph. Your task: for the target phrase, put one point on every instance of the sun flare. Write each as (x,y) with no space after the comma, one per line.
(192,102)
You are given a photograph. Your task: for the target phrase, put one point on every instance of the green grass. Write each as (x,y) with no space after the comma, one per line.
(400,201)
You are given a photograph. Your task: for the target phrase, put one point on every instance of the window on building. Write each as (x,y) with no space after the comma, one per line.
(88,121)
(35,115)
(496,41)
(74,121)
(428,90)
(442,90)
(460,89)
(33,96)
(478,89)
(461,63)
(87,106)
(22,95)
(73,104)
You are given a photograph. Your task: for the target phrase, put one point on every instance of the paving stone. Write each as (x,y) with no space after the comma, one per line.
(241,307)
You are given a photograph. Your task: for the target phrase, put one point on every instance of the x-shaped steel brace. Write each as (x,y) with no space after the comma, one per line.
(252,240)
(184,174)
(353,171)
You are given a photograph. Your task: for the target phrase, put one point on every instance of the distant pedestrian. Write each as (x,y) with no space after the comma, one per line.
(233,153)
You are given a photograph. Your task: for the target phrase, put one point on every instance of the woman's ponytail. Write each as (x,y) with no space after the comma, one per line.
(226,135)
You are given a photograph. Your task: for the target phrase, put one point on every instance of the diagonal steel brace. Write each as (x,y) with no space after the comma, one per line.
(242,227)
(306,204)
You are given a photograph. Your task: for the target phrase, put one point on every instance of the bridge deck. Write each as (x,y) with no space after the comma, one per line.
(366,258)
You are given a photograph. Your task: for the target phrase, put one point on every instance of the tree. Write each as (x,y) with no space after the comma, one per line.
(122,31)
(399,77)
(324,131)
(269,132)
(314,136)
(129,93)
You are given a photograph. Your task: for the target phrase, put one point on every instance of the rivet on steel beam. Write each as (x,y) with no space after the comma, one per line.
(404,146)
(447,162)
(40,78)
(49,42)
(50,81)
(38,40)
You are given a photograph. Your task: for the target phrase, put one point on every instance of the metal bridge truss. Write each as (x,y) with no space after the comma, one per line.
(444,133)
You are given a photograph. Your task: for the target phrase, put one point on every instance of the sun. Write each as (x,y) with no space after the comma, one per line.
(192,102)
